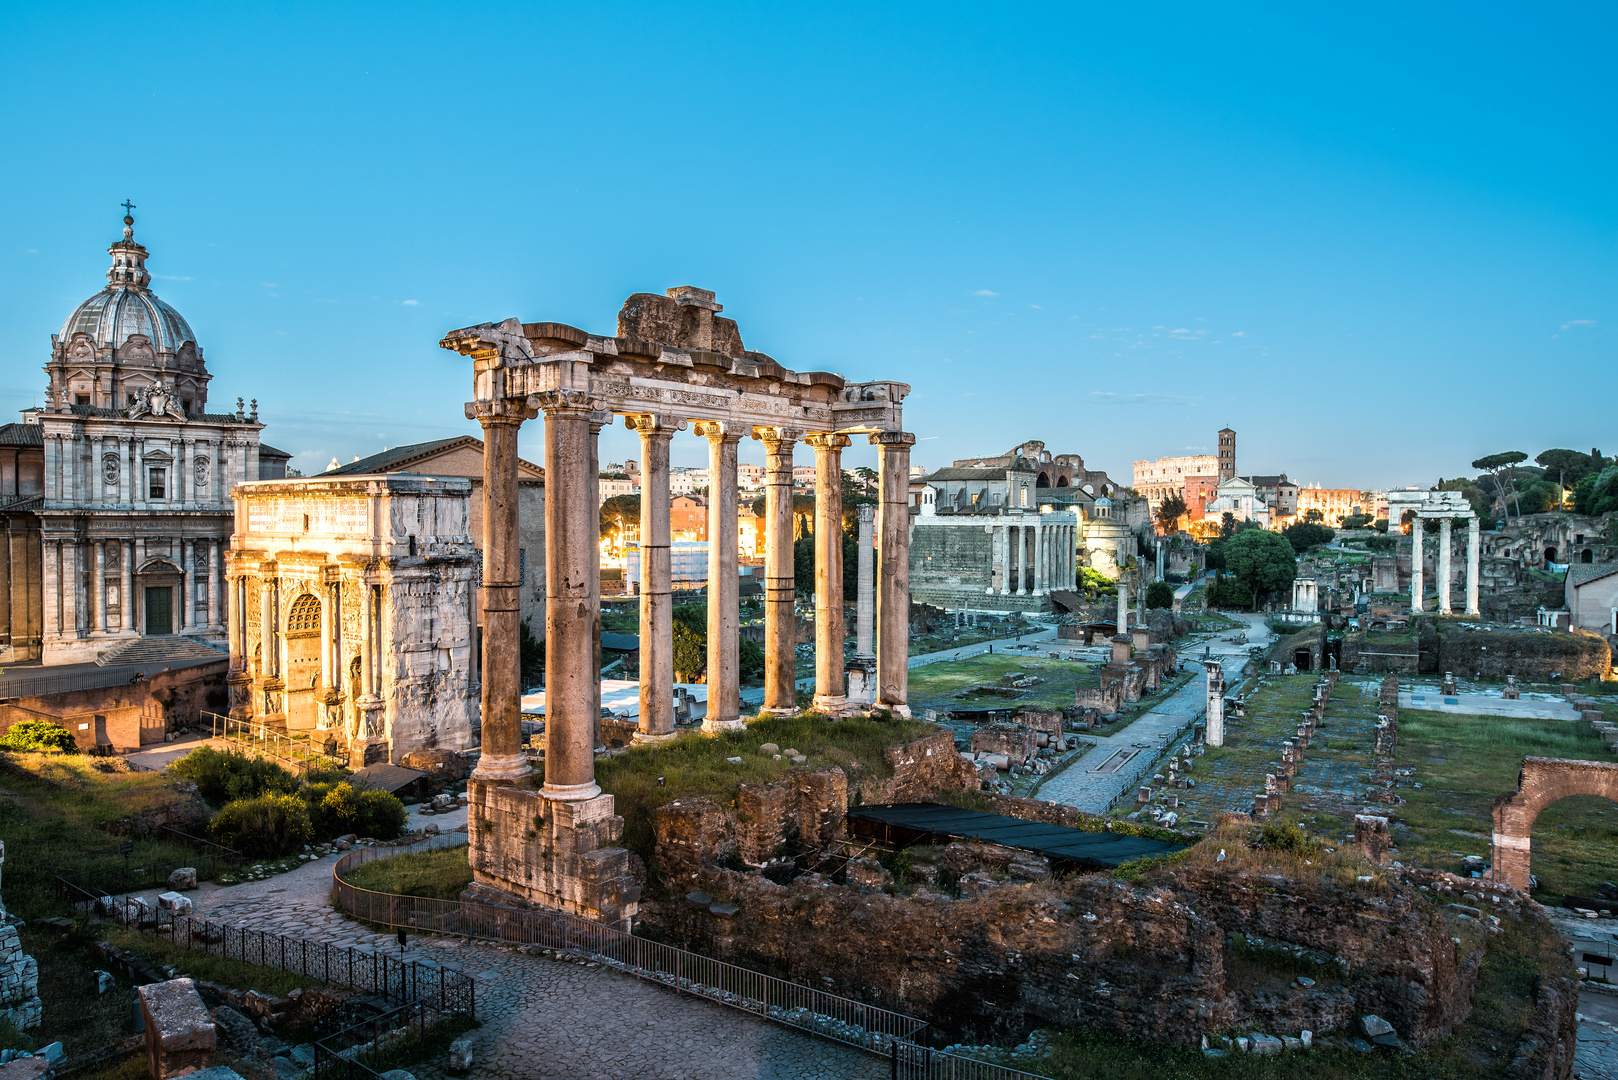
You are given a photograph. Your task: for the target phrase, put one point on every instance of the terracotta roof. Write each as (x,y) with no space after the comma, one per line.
(398,458)
(1581,573)
(21,435)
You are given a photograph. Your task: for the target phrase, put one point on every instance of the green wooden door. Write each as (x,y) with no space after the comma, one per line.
(159,610)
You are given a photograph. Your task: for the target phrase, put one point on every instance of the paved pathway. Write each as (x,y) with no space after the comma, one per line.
(1596,1057)
(544,1018)
(1097,778)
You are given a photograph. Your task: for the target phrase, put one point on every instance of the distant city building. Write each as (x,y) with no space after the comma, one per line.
(1227,454)
(688,563)
(1334,504)
(749,476)
(685,481)
(1199,492)
(688,517)
(1160,478)
(1239,497)
(611,489)
(1279,493)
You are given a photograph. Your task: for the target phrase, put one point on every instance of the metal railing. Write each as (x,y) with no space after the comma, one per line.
(254,737)
(397,981)
(63,684)
(852,1023)
(90,886)
(350,1054)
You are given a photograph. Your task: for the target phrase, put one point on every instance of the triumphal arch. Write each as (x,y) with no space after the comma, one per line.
(673,364)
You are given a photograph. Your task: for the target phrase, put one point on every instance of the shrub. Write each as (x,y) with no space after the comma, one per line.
(1159,594)
(39,736)
(335,809)
(264,826)
(224,776)
(1289,838)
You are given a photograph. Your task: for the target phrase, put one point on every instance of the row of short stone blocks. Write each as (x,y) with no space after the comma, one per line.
(1279,779)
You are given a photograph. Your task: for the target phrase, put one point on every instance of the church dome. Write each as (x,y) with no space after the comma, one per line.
(126,309)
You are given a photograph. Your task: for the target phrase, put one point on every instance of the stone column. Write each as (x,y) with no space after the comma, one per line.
(1215,726)
(73,582)
(215,578)
(366,630)
(1014,563)
(98,489)
(99,585)
(183,603)
(866,611)
(137,473)
(893,590)
(1002,558)
(572,568)
(1443,566)
(268,664)
(599,419)
(503,759)
(1472,566)
(831,688)
(328,636)
(656,601)
(1418,559)
(724,596)
(1123,602)
(780,623)
(181,481)
(126,587)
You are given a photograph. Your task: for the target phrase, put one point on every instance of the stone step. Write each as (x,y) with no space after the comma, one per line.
(160,649)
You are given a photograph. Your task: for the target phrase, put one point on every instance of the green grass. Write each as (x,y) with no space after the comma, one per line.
(694,764)
(441,874)
(201,965)
(74,1013)
(1464,762)
(54,816)
(935,685)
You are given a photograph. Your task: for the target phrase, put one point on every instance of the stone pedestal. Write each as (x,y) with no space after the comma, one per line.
(180,1034)
(559,854)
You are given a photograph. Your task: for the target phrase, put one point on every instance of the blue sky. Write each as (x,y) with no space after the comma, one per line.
(1378,242)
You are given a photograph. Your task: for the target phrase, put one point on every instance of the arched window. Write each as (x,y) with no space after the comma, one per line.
(304,617)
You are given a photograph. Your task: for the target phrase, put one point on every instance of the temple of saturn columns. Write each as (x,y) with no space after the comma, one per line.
(1446,506)
(673,364)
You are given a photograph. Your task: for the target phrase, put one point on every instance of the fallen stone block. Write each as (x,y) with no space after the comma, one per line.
(104,981)
(180,1034)
(460,1055)
(1373,1025)
(174,902)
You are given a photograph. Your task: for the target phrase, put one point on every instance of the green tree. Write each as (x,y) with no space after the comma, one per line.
(1227,525)
(1306,535)
(1568,465)
(621,510)
(39,736)
(1503,467)
(1160,594)
(1597,494)
(531,651)
(1169,513)
(1313,516)
(1541,496)
(1356,521)
(1262,561)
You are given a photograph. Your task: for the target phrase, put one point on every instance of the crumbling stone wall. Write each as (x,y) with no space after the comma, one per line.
(19,975)
(921,768)
(1533,657)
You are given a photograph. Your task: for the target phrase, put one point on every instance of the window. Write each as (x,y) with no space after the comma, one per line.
(522,567)
(155,483)
(81,399)
(185,406)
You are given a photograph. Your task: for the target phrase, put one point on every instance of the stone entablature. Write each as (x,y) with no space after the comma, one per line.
(674,363)
(360,592)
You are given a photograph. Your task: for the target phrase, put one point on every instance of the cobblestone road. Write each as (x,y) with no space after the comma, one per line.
(1597,1055)
(544,1018)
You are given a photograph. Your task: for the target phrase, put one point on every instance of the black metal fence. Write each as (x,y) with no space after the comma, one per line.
(359,1052)
(137,874)
(854,1023)
(397,981)
(62,684)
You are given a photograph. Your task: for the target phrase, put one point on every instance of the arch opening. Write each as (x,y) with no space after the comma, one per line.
(303,637)
(1541,782)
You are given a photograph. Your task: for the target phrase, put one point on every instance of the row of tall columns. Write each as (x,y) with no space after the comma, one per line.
(572,569)
(1418,560)
(86,606)
(1044,551)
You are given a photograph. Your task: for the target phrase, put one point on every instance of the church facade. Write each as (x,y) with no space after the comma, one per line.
(131,501)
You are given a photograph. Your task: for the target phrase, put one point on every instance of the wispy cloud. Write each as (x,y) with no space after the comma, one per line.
(1578,322)
(985,292)
(411,303)
(1037,307)
(269,285)
(1108,397)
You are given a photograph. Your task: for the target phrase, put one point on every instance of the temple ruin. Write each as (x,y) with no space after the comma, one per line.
(673,362)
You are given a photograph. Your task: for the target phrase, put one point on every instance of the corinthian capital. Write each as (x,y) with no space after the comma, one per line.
(573,403)
(891,438)
(499,411)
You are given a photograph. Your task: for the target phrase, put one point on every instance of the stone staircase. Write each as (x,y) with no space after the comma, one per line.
(165,649)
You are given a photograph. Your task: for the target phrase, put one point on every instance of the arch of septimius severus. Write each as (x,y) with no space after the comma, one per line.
(673,363)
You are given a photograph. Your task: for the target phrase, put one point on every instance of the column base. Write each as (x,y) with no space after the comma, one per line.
(716,727)
(644,737)
(571,793)
(832,705)
(503,769)
(1474,613)
(897,710)
(776,710)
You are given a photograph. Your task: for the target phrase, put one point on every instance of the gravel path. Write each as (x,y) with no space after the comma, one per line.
(545,1018)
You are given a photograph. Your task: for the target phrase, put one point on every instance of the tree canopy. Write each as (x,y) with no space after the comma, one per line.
(1307,534)
(1170,511)
(1263,561)
(1503,466)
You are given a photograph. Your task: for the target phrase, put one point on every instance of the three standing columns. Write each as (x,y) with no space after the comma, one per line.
(503,758)
(780,623)
(893,589)
(724,617)
(831,687)
(656,588)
